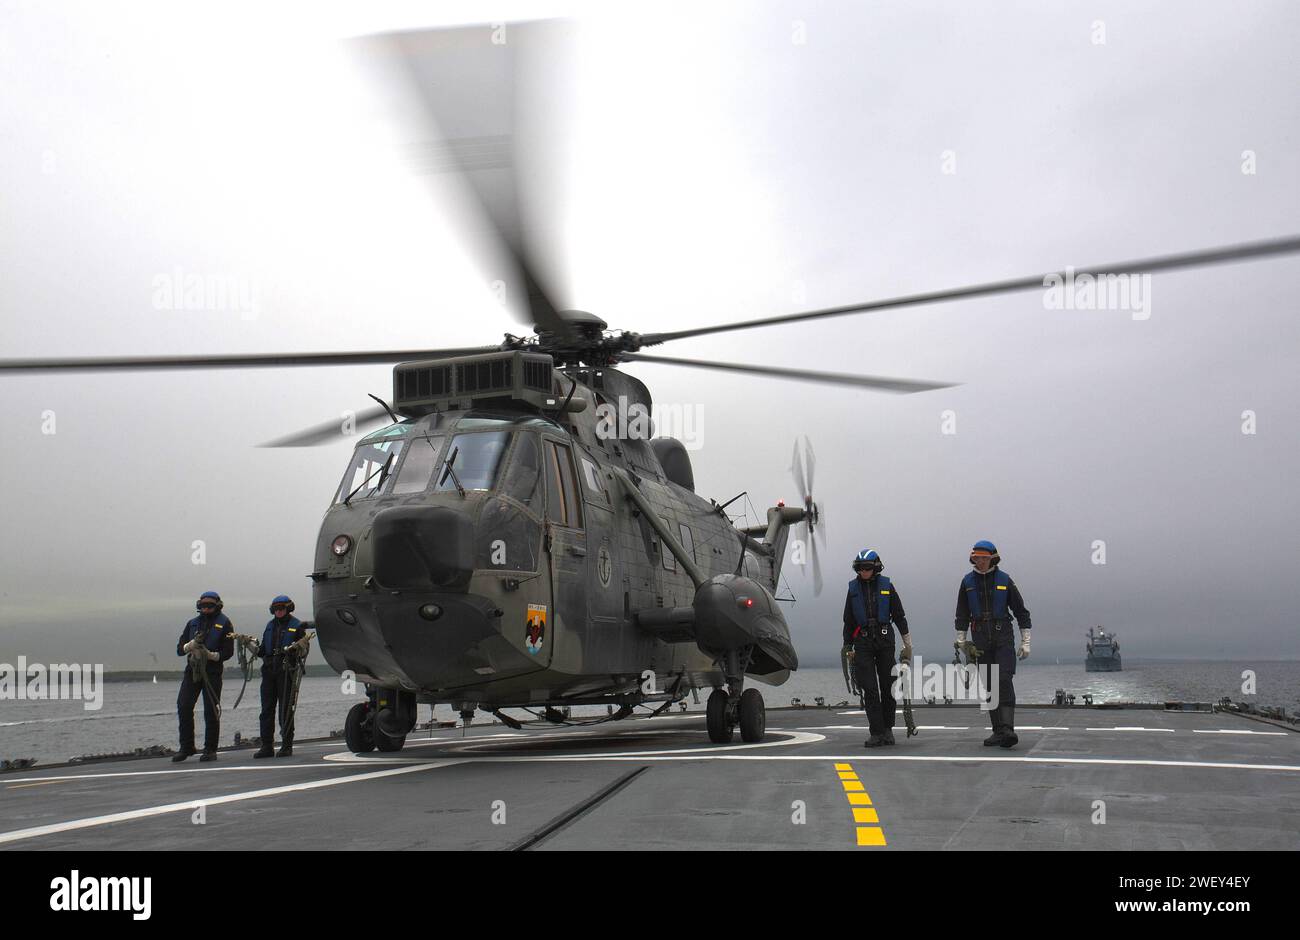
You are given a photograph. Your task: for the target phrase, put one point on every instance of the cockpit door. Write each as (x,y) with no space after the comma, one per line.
(566,538)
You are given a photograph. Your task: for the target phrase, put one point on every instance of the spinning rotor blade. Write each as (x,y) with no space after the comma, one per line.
(471,98)
(796,469)
(812,463)
(328,431)
(901,386)
(1192,259)
(816,565)
(810,527)
(239,361)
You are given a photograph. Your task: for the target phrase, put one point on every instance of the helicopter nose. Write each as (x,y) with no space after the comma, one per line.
(423,548)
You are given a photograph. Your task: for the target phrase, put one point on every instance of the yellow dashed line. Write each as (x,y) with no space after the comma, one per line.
(864,815)
(871,835)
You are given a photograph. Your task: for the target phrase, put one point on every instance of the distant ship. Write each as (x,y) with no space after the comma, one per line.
(1103,652)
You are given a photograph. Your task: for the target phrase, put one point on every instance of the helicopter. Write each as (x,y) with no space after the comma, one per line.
(501,543)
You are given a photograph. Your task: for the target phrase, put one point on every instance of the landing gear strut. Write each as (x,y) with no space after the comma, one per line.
(735,705)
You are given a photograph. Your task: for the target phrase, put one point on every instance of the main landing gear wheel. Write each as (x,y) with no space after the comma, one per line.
(716,718)
(387,742)
(357,730)
(753,716)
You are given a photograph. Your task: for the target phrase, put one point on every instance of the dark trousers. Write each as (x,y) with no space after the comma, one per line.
(872,664)
(996,646)
(275,695)
(189,694)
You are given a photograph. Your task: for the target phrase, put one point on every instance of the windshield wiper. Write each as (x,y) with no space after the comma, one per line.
(451,459)
(381,469)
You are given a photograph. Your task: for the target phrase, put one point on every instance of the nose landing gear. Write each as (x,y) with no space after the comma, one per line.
(382,721)
(736,705)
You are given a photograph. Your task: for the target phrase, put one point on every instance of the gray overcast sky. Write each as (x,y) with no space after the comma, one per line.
(742,161)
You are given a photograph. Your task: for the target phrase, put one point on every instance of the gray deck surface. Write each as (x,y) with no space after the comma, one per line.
(1169,780)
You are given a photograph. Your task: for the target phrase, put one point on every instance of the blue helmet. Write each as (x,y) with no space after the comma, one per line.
(868,558)
(281,599)
(209,596)
(984,547)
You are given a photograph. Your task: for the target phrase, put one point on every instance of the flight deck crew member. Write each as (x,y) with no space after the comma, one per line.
(871,604)
(284,643)
(985,601)
(207,641)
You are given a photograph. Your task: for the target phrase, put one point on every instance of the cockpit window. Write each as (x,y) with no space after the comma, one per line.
(372,469)
(520,479)
(474,460)
(417,469)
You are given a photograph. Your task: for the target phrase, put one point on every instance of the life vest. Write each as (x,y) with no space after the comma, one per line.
(290,630)
(211,633)
(883,591)
(974,596)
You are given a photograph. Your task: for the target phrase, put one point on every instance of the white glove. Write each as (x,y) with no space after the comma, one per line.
(961,638)
(189,647)
(1024,644)
(213,655)
(907,646)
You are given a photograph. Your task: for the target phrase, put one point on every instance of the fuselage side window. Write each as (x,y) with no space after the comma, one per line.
(688,540)
(564,507)
(670,561)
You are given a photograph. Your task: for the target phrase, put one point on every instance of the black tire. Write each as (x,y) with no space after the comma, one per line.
(385,742)
(716,718)
(356,730)
(753,716)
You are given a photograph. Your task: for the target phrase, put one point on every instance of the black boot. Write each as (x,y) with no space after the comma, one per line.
(889,735)
(266,750)
(286,749)
(1009,737)
(998,735)
(208,756)
(183,754)
(876,740)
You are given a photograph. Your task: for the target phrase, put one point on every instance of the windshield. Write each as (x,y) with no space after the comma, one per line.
(417,469)
(474,460)
(371,470)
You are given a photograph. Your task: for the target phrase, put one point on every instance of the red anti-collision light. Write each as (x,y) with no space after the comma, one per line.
(744,602)
(340,545)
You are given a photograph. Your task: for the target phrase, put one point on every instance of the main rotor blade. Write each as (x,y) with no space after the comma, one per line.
(1241,252)
(240,361)
(877,383)
(463,95)
(328,431)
